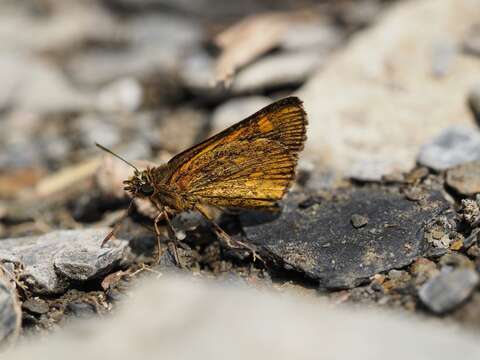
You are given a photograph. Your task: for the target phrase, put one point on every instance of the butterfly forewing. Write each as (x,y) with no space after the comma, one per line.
(251,164)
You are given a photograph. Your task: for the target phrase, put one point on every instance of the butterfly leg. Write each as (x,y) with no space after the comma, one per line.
(172,244)
(227,239)
(156,221)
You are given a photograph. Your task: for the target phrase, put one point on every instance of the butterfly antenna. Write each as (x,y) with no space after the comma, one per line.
(117,156)
(117,225)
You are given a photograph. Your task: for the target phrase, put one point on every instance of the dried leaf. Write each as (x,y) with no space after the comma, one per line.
(248,39)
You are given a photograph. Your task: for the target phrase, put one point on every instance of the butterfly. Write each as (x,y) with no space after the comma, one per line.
(250,165)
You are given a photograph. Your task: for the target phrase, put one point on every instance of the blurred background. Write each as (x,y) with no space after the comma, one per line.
(388,85)
(150,78)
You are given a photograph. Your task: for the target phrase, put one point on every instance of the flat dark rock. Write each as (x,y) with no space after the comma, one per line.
(321,241)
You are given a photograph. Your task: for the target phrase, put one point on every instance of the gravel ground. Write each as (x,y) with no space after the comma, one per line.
(384,213)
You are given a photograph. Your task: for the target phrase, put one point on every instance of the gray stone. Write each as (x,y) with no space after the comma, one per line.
(454,146)
(321,242)
(197,73)
(86,261)
(56,27)
(277,70)
(448,290)
(51,261)
(10,314)
(168,32)
(102,66)
(81,309)
(156,45)
(370,169)
(123,95)
(97,127)
(35,306)
(38,86)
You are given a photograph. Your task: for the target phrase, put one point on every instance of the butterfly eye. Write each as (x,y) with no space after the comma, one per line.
(146,189)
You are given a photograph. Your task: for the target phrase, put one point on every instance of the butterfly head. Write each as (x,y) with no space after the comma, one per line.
(140,184)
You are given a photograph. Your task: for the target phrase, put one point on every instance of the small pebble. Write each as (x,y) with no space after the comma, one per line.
(114,295)
(474,251)
(456,260)
(35,306)
(436,252)
(416,175)
(359,221)
(438,236)
(456,245)
(123,95)
(397,280)
(422,270)
(465,178)
(414,194)
(448,290)
(81,309)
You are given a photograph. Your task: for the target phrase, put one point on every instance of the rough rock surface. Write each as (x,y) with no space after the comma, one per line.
(51,261)
(321,241)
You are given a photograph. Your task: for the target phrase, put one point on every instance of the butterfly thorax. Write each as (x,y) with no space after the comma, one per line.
(152,183)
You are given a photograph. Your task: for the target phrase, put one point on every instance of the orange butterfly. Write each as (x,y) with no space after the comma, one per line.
(249,165)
